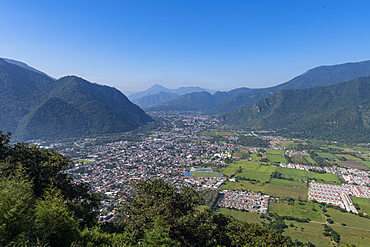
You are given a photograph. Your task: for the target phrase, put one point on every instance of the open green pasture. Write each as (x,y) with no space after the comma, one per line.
(295,174)
(255,175)
(301,210)
(326,155)
(210,132)
(288,183)
(349,219)
(250,217)
(249,170)
(266,169)
(204,174)
(245,165)
(348,157)
(299,160)
(356,231)
(325,177)
(276,158)
(256,171)
(353,235)
(285,191)
(255,157)
(280,152)
(307,232)
(244,185)
(288,144)
(364,204)
(309,160)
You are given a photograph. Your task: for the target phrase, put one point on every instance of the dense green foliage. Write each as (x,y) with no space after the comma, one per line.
(252,141)
(337,112)
(36,106)
(38,202)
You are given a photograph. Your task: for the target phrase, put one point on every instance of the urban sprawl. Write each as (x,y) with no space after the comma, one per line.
(179,153)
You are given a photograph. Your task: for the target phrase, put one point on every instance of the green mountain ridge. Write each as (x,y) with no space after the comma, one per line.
(35,106)
(337,112)
(241,98)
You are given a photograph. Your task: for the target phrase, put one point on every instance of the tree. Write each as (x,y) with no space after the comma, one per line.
(159,235)
(158,198)
(253,234)
(16,202)
(45,167)
(4,144)
(55,225)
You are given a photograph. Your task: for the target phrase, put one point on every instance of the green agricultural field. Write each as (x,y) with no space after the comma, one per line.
(309,160)
(280,152)
(348,157)
(276,158)
(311,232)
(325,177)
(266,169)
(356,231)
(353,235)
(364,204)
(288,183)
(255,157)
(249,170)
(351,220)
(250,217)
(288,144)
(244,185)
(204,174)
(303,211)
(285,191)
(326,155)
(255,175)
(210,132)
(299,160)
(295,174)
(365,163)
(230,169)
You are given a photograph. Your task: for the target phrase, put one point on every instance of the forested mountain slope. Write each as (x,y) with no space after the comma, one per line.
(34,105)
(336,112)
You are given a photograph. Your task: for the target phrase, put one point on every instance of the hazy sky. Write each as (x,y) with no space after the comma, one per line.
(217,44)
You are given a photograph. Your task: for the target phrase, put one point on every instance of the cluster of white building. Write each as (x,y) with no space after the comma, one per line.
(337,194)
(242,200)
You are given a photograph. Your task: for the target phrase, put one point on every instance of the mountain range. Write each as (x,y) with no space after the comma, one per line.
(36,106)
(327,102)
(158,94)
(236,99)
(339,112)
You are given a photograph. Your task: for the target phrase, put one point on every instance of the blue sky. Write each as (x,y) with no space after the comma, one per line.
(217,44)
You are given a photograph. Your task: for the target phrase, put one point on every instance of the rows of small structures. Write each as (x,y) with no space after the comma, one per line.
(350,175)
(241,200)
(337,194)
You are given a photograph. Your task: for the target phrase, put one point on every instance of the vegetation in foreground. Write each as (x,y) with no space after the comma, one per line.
(43,207)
